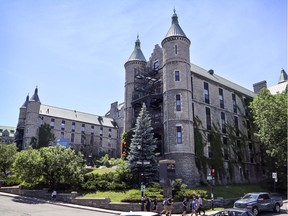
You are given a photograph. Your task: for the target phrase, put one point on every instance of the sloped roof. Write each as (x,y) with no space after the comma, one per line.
(218,79)
(35,96)
(137,52)
(175,29)
(74,115)
(279,88)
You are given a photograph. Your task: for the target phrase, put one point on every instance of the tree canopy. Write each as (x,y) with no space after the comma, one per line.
(7,155)
(142,147)
(270,116)
(52,166)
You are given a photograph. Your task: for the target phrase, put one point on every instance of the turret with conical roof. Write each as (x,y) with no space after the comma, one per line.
(32,121)
(177,99)
(283,76)
(135,62)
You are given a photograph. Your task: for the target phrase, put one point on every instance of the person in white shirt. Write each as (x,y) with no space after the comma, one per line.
(53,195)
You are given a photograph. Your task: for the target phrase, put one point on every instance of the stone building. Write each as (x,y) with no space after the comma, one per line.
(7,134)
(200,119)
(91,134)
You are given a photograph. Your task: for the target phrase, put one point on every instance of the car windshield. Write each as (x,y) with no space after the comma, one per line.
(250,196)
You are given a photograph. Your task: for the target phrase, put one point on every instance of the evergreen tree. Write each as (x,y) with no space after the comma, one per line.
(142,147)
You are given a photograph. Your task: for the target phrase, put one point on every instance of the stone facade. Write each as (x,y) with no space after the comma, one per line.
(91,134)
(177,92)
(7,134)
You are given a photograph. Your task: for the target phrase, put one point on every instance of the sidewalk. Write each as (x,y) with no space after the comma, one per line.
(87,207)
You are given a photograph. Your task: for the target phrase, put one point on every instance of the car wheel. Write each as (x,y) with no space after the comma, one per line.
(277,208)
(255,211)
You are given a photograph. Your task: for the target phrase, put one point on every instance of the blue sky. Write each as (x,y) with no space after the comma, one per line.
(75,50)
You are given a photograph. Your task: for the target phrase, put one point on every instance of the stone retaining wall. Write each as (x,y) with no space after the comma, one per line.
(105,203)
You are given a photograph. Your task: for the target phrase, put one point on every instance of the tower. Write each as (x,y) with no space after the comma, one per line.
(32,121)
(135,62)
(177,103)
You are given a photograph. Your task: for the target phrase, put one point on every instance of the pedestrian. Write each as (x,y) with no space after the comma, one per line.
(164,205)
(148,204)
(200,205)
(184,204)
(169,206)
(155,202)
(53,195)
(194,206)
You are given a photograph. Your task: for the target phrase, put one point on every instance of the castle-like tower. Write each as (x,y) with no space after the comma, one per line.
(177,103)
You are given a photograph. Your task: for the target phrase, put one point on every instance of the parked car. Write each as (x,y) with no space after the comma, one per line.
(257,202)
(140,213)
(233,212)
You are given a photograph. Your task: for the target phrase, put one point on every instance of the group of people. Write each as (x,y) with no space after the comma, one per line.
(196,206)
(148,202)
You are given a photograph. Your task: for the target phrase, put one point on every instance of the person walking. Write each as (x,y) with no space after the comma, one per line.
(184,204)
(164,204)
(148,204)
(194,207)
(53,195)
(200,205)
(155,202)
(169,206)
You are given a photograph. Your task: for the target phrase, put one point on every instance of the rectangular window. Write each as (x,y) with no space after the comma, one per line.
(83,139)
(177,76)
(62,134)
(156,66)
(83,128)
(223,122)
(206,93)
(234,103)
(192,86)
(248,129)
(63,125)
(179,134)
(178,103)
(72,138)
(73,127)
(101,131)
(221,98)
(236,125)
(52,123)
(92,129)
(92,140)
(225,140)
(208,119)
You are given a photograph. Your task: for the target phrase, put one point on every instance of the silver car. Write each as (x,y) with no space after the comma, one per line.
(233,212)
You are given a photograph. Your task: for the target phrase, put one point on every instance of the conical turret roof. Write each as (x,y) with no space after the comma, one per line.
(175,29)
(137,53)
(283,76)
(35,96)
(26,102)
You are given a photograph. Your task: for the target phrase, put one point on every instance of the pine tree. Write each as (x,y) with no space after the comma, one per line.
(142,147)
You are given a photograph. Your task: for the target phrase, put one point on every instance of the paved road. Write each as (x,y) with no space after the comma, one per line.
(19,206)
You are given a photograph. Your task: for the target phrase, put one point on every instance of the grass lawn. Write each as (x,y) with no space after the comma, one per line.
(228,191)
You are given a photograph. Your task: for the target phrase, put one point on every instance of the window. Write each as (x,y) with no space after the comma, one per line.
(62,134)
(177,76)
(193,111)
(178,103)
(73,127)
(92,140)
(192,86)
(156,65)
(176,49)
(236,125)
(209,137)
(83,128)
(250,146)
(179,134)
(208,119)
(63,125)
(248,129)
(52,123)
(206,92)
(234,103)
(221,98)
(226,155)
(92,129)
(83,139)
(101,131)
(72,137)
(224,140)
(223,122)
